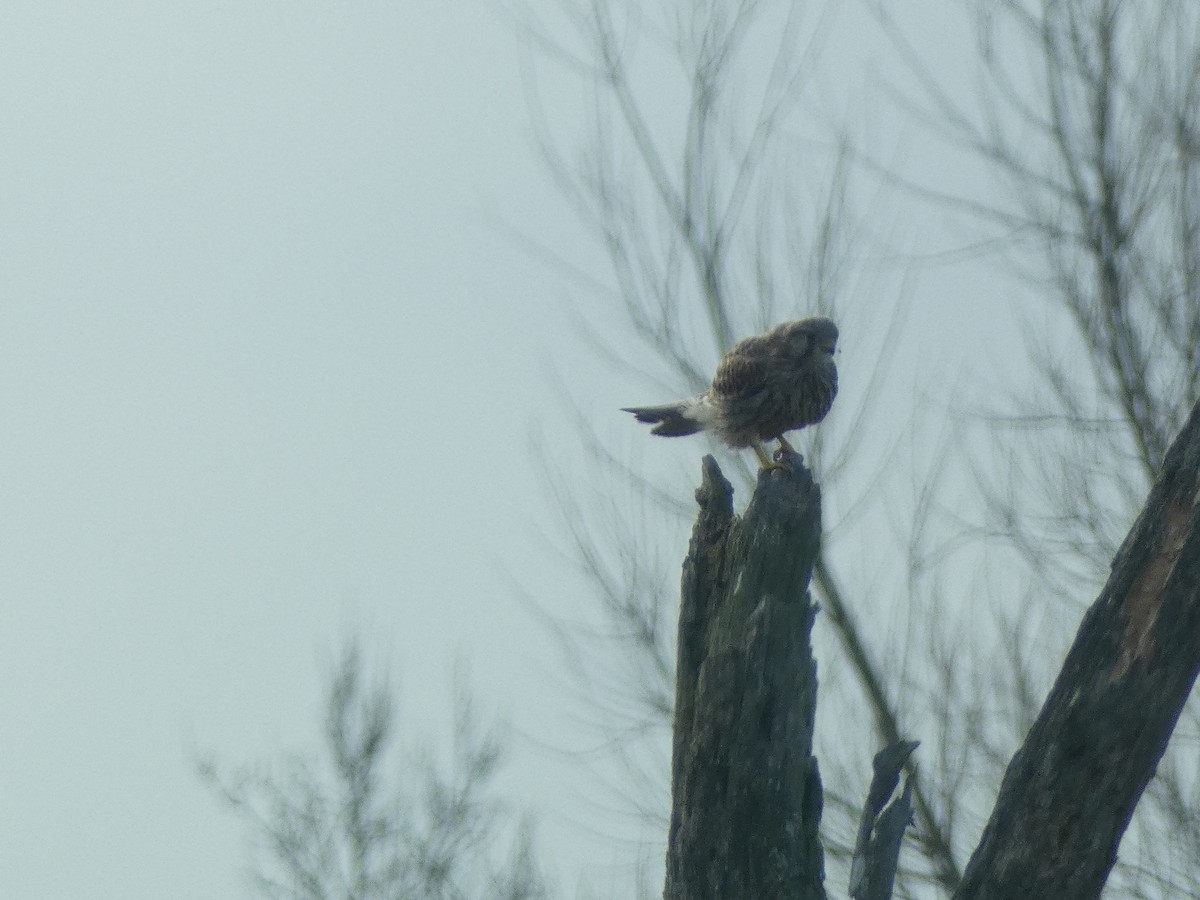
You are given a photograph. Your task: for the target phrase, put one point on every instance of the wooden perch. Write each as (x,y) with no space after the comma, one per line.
(1068,794)
(746,793)
(882,826)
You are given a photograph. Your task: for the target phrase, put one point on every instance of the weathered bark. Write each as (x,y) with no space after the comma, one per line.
(1068,794)
(746,793)
(882,826)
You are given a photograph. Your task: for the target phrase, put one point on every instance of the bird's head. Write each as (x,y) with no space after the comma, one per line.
(808,336)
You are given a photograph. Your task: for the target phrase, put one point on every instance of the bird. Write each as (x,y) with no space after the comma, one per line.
(765,385)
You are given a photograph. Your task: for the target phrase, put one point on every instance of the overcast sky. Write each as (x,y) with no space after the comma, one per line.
(270,361)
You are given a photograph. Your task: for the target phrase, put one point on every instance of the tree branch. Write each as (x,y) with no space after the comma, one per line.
(1070,791)
(881,830)
(931,833)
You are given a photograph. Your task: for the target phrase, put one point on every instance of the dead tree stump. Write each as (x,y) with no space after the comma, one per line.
(746,793)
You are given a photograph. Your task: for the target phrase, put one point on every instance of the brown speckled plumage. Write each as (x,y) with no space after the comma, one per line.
(765,386)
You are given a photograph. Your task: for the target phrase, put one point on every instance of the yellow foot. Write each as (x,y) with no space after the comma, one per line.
(766,461)
(784,446)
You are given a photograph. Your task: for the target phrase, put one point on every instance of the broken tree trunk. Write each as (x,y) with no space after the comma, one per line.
(1068,794)
(746,793)
(885,818)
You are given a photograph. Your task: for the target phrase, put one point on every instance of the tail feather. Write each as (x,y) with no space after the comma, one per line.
(672,418)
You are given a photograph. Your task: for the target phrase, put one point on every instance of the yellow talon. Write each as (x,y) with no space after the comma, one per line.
(767,462)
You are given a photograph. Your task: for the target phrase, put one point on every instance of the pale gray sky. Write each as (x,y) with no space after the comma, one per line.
(266,375)
(268,371)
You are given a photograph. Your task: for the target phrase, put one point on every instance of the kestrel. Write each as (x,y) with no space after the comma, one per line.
(766,385)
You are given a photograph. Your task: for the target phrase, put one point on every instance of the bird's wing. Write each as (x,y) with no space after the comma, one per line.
(739,374)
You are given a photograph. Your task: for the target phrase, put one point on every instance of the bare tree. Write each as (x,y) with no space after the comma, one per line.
(1086,126)
(746,791)
(711,234)
(367,823)
(1088,113)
